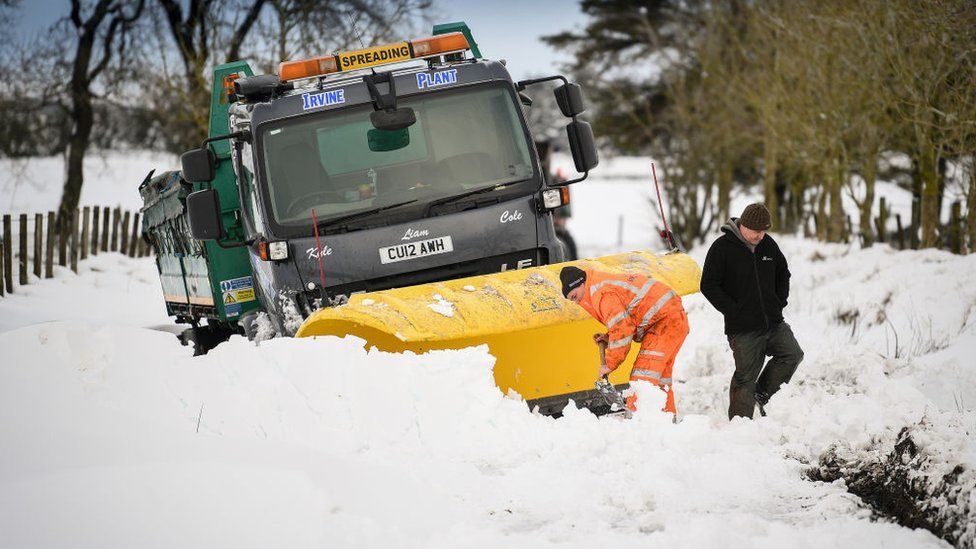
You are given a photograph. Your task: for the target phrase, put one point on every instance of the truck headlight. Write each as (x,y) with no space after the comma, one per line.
(554,198)
(273,251)
(278,250)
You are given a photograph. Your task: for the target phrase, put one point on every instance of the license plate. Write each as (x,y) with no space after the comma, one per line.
(413,250)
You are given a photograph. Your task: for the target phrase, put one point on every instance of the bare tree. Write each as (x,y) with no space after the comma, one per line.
(802,95)
(213,31)
(101,31)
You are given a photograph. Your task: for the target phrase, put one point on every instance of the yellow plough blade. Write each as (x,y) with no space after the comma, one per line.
(541,341)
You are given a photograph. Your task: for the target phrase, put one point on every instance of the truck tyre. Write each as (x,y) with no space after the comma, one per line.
(568,244)
(247,323)
(204,338)
(258,326)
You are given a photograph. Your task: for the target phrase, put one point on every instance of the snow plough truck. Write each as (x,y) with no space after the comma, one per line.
(390,193)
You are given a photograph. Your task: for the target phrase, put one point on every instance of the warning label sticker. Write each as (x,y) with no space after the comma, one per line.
(236,291)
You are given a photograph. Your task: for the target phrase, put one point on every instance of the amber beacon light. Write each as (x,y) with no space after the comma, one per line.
(419,48)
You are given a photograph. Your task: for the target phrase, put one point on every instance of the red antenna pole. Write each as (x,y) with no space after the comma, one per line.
(318,249)
(667,232)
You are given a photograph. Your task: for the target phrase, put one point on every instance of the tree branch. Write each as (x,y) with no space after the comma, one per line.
(107,42)
(76,13)
(234,52)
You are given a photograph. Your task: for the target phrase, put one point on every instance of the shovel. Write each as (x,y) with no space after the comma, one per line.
(607,391)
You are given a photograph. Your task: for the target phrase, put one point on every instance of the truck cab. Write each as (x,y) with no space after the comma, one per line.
(351,179)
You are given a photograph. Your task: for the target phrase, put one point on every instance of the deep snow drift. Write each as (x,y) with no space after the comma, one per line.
(116,436)
(112,435)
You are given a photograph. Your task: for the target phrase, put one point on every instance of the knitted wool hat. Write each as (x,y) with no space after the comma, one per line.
(755,217)
(571,278)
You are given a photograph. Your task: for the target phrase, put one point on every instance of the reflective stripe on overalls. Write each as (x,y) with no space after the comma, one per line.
(660,346)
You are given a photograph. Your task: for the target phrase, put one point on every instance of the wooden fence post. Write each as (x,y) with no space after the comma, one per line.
(901,232)
(8,248)
(116,219)
(105,229)
(22,239)
(74,241)
(49,247)
(916,223)
(38,243)
(124,248)
(94,228)
(134,238)
(85,219)
(955,228)
(64,226)
(882,221)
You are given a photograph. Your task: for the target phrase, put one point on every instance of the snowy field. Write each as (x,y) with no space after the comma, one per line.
(113,435)
(111,179)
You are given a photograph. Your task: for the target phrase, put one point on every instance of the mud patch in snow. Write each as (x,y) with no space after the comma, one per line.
(919,480)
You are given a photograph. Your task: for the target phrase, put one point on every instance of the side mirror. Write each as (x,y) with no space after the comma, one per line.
(582,146)
(569,97)
(198,165)
(203,213)
(382,141)
(396,119)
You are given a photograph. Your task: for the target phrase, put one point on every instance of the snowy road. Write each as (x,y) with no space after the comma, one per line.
(112,435)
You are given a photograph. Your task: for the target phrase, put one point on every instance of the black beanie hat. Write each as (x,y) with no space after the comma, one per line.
(755,217)
(571,277)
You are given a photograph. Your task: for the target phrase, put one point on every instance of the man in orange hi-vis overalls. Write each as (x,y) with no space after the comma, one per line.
(633,308)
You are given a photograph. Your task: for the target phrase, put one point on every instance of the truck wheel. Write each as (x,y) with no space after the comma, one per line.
(204,338)
(257,326)
(568,244)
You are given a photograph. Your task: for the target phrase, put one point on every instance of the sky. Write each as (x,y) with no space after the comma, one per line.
(503,29)
(511,30)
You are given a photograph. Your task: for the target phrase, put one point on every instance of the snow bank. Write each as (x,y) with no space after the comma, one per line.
(112,435)
(317,442)
(311,442)
(108,287)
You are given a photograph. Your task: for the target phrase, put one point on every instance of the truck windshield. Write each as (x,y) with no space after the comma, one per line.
(463,139)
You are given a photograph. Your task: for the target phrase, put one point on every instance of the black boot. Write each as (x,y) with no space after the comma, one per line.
(762,399)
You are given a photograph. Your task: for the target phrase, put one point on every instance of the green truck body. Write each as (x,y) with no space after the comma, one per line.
(201,279)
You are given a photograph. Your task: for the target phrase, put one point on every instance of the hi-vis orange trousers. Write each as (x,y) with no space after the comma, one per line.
(660,346)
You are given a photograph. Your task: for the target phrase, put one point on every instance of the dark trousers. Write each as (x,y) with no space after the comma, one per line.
(750,351)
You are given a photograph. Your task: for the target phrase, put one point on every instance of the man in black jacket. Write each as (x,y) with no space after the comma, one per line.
(746,278)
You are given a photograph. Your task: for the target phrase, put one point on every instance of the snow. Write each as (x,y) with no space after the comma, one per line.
(109,287)
(33,185)
(114,435)
(442,306)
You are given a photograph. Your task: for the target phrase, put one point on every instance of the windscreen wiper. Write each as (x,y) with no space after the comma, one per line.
(457,197)
(364,213)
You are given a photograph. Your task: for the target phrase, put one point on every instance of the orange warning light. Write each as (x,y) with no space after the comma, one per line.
(452,42)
